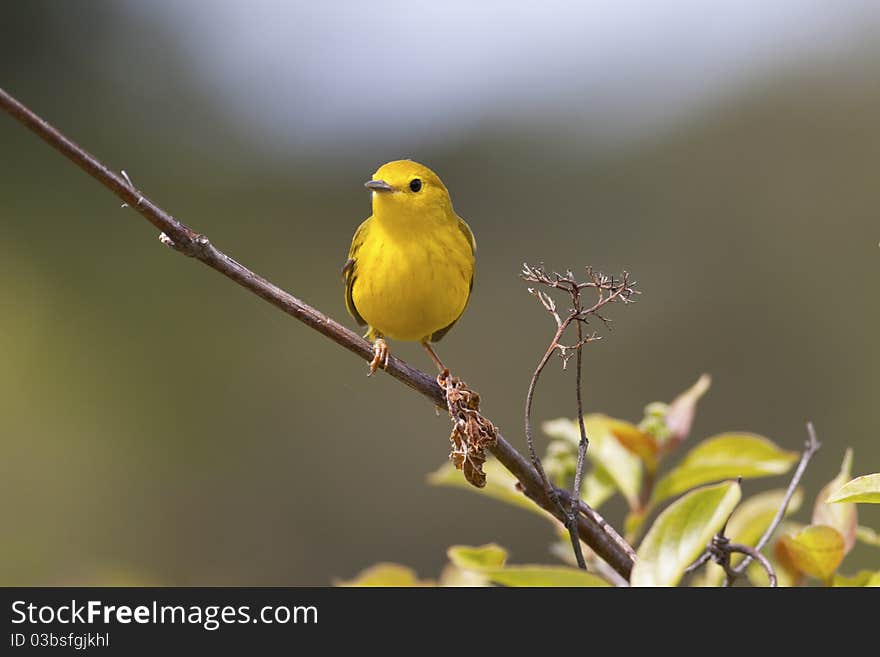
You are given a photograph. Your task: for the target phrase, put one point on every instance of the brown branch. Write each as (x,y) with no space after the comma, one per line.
(606,542)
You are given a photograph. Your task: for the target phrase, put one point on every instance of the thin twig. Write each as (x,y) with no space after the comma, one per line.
(608,290)
(602,538)
(584,441)
(751,553)
(703,558)
(570,515)
(571,526)
(530,395)
(720,547)
(582,447)
(811,447)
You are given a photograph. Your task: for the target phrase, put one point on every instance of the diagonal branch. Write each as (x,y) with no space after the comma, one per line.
(606,542)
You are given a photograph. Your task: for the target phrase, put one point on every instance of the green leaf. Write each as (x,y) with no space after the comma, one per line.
(632,524)
(624,467)
(477,558)
(867,536)
(597,487)
(725,456)
(386,574)
(543,576)
(681,533)
(752,518)
(453,576)
(560,462)
(489,562)
(842,516)
(816,550)
(500,485)
(654,423)
(747,524)
(864,490)
(862,578)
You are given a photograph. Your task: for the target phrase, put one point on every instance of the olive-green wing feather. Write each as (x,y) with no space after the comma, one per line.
(436,336)
(469,236)
(349,269)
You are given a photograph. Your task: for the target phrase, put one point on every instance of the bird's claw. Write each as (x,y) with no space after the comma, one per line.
(380,356)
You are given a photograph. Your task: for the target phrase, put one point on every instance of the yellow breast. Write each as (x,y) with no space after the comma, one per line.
(413,284)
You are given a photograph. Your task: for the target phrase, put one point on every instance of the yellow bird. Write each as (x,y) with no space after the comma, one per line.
(410,268)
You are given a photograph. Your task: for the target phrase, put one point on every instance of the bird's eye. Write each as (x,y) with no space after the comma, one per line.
(415,184)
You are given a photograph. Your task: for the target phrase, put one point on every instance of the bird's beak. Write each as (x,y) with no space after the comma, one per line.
(378,186)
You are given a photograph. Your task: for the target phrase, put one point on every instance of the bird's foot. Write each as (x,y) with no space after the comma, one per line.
(380,356)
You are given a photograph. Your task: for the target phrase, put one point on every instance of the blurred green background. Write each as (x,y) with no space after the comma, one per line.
(159,425)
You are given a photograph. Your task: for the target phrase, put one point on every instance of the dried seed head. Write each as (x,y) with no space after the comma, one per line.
(472,434)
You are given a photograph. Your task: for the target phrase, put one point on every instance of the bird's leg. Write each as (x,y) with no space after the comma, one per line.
(444,371)
(434,357)
(380,355)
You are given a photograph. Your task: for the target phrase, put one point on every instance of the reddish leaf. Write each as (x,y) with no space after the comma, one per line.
(681,412)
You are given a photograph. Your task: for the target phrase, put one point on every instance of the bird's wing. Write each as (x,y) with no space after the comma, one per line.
(349,269)
(469,236)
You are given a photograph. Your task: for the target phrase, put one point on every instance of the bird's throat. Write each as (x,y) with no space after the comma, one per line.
(405,223)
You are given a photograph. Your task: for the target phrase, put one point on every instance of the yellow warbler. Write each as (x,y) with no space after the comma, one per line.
(410,268)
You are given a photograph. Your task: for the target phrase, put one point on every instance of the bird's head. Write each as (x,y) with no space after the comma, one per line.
(406,189)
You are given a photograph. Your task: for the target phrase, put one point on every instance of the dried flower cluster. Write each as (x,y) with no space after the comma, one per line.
(472,434)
